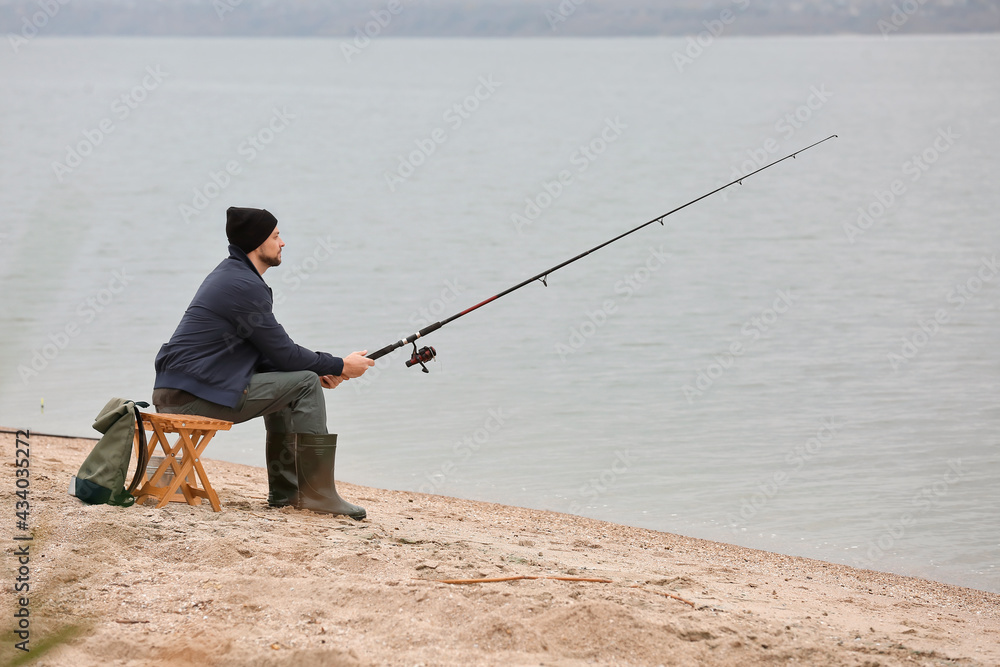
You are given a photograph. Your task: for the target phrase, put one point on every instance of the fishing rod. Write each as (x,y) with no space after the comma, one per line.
(426,354)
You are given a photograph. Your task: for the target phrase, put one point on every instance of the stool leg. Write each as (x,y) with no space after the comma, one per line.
(199,470)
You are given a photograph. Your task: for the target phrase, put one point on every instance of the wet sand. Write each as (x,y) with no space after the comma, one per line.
(256,586)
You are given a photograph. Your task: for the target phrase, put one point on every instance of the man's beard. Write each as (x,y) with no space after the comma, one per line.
(272,260)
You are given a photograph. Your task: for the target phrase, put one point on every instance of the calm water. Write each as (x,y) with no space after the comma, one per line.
(766,369)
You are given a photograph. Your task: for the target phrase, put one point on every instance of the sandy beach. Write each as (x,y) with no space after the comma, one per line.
(256,586)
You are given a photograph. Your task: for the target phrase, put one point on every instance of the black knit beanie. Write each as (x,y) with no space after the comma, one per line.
(247,228)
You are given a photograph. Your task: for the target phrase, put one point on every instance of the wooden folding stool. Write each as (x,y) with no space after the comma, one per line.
(182,457)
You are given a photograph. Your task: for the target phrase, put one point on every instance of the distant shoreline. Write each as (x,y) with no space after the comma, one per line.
(14,431)
(495,18)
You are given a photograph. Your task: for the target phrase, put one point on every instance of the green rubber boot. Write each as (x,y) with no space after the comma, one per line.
(314,459)
(282,481)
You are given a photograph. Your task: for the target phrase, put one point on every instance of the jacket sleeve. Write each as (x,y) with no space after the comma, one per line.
(251,310)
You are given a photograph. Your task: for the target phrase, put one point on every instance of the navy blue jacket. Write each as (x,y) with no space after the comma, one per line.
(228,333)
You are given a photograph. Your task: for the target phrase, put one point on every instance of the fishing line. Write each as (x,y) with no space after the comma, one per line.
(423,355)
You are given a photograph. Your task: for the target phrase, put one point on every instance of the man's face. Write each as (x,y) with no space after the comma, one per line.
(270,250)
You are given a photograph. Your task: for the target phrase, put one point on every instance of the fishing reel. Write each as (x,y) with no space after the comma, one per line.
(420,356)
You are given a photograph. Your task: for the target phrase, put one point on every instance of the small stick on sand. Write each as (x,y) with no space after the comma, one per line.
(516,578)
(666,595)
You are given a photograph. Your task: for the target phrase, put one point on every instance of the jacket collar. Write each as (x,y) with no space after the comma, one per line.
(237,253)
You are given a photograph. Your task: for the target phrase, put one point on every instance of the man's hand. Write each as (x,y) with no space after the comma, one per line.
(331,381)
(356,364)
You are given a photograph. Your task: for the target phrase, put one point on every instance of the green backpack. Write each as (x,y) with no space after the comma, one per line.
(102,476)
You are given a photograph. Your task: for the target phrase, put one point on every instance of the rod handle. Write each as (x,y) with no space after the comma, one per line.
(384,351)
(406,341)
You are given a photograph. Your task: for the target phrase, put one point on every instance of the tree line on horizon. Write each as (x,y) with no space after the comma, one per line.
(494,18)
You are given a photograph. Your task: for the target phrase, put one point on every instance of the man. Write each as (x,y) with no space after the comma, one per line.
(230,359)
